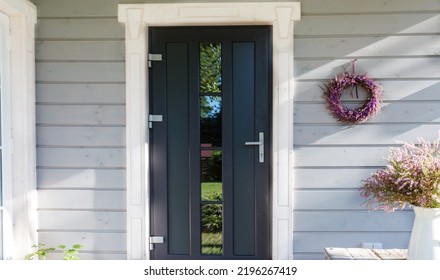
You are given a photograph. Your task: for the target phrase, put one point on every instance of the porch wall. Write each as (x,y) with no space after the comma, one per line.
(81,126)
(81,119)
(398,43)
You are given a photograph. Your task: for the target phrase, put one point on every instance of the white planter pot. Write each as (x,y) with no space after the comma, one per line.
(424,243)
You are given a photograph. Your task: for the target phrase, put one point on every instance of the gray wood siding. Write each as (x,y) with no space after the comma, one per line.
(81,126)
(397,42)
(81,119)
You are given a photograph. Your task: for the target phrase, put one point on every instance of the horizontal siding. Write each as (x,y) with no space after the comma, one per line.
(407,112)
(80,95)
(81,136)
(81,114)
(372,46)
(75,72)
(397,43)
(361,6)
(375,24)
(352,221)
(80,29)
(69,8)
(81,157)
(81,178)
(67,93)
(330,178)
(93,242)
(80,50)
(325,200)
(383,68)
(91,200)
(104,221)
(394,90)
(315,242)
(337,156)
(385,134)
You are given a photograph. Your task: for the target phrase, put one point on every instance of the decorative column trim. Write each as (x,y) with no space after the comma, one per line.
(22,210)
(137,18)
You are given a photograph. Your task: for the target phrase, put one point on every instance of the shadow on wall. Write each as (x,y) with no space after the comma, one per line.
(401,52)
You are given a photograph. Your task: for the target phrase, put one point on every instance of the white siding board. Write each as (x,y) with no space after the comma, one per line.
(356,25)
(330,178)
(81,93)
(82,220)
(81,179)
(328,200)
(81,114)
(83,72)
(69,8)
(398,112)
(102,241)
(384,68)
(81,157)
(80,28)
(372,46)
(316,242)
(403,90)
(80,50)
(346,221)
(337,156)
(81,200)
(81,136)
(374,134)
(362,6)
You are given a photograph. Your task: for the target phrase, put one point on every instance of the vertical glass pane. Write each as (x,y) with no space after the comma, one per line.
(211,207)
(211,121)
(211,171)
(212,224)
(210,68)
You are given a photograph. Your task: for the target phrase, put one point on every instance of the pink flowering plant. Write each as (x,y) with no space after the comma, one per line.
(412,176)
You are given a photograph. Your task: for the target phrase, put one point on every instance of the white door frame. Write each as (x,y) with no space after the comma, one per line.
(137,18)
(20,211)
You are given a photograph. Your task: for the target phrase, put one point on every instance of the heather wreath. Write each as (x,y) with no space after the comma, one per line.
(333,91)
(412,176)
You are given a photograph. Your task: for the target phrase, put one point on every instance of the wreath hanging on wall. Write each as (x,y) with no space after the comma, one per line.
(334,89)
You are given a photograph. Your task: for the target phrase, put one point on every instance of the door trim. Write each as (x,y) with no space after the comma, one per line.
(20,205)
(137,18)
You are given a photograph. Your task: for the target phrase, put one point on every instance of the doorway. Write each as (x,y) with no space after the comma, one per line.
(210,142)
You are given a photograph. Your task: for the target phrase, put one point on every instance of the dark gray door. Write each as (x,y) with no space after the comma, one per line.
(210,156)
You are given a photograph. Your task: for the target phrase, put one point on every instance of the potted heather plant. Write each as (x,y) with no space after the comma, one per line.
(412,177)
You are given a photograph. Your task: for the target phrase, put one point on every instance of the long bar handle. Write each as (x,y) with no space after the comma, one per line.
(260,145)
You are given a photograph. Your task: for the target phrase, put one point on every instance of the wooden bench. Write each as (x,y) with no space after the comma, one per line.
(365,254)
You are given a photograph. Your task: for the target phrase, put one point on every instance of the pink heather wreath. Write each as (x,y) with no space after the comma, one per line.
(334,89)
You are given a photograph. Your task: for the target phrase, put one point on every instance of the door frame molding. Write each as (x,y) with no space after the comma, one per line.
(137,18)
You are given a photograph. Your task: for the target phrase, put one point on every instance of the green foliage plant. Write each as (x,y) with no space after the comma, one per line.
(40,252)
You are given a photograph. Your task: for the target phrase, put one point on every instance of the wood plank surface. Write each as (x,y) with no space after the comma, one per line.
(110,179)
(56,200)
(80,115)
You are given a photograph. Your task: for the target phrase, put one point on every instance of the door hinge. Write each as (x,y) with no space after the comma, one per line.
(153,57)
(156,240)
(154,118)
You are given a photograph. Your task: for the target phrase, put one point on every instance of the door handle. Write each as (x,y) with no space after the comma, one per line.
(260,145)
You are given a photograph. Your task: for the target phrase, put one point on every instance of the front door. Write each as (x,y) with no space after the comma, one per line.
(210,145)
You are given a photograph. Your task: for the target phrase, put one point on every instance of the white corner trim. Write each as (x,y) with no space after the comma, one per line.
(137,18)
(21,209)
